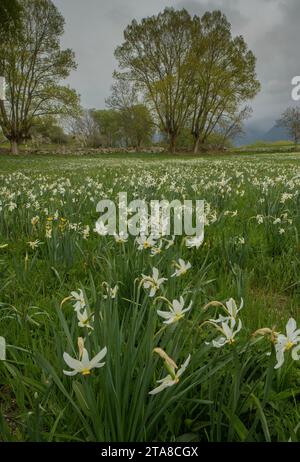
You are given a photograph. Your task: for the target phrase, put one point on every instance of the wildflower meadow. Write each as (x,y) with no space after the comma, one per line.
(150,338)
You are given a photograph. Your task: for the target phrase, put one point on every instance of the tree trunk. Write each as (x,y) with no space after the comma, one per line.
(172,143)
(199,142)
(14,147)
(196,145)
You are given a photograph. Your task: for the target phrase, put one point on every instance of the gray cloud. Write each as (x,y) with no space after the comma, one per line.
(233,13)
(95,27)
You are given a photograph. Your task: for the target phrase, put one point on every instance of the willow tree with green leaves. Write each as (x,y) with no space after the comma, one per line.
(225,76)
(9,17)
(192,71)
(34,66)
(156,56)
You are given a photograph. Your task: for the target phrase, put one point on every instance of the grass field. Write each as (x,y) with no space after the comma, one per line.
(48,249)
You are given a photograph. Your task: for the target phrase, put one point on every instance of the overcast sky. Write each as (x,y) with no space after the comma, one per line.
(270,27)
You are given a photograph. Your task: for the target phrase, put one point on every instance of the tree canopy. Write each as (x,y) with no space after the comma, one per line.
(34,65)
(10,12)
(191,71)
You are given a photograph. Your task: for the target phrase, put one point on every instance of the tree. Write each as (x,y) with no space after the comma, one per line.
(224,75)
(155,56)
(290,120)
(123,94)
(85,129)
(108,122)
(137,125)
(191,70)
(135,120)
(231,125)
(34,64)
(47,129)
(9,17)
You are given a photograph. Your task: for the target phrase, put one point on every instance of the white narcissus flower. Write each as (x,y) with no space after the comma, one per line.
(172,378)
(86,232)
(121,238)
(153,282)
(48,233)
(84,319)
(100,228)
(145,242)
(34,244)
(111,291)
(169,242)
(78,297)
(85,365)
(181,267)
(35,220)
(156,250)
(288,342)
(228,329)
(2,349)
(195,241)
(176,312)
(231,310)
(12,206)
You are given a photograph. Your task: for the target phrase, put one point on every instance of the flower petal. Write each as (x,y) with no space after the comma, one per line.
(164,314)
(295,354)
(280,359)
(98,358)
(70,373)
(164,384)
(71,362)
(184,366)
(291,326)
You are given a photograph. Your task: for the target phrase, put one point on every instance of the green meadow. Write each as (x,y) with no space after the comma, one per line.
(66,292)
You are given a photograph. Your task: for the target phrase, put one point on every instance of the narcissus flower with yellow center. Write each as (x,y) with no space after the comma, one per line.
(181,267)
(121,238)
(145,242)
(85,365)
(153,282)
(84,319)
(176,311)
(288,342)
(34,244)
(228,330)
(230,309)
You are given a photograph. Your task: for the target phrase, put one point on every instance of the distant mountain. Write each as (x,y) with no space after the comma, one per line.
(277,134)
(253,134)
